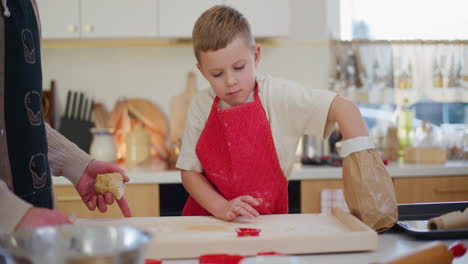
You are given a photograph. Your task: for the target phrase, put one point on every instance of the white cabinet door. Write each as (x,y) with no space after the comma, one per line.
(119,18)
(177,17)
(60,19)
(268,18)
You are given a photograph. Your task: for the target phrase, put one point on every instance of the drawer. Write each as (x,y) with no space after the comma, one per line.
(431,189)
(143,200)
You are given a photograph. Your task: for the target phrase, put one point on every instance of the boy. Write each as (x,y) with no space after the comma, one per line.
(241,136)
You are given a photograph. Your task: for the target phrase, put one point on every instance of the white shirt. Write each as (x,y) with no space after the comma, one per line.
(292,111)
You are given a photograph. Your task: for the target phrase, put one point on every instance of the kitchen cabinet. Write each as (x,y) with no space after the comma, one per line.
(177,17)
(73,19)
(143,200)
(88,19)
(408,190)
(268,18)
(431,189)
(60,18)
(311,191)
(119,18)
(172,198)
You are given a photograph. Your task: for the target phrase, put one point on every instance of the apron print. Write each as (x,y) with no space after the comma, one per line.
(32,102)
(28,46)
(37,167)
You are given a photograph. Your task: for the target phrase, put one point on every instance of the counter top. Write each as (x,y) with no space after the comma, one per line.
(390,244)
(396,170)
(156,175)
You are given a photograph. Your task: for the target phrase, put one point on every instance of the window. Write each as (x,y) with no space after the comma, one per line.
(404,20)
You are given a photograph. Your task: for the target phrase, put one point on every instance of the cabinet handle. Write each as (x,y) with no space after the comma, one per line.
(448,190)
(72,28)
(68,198)
(88,28)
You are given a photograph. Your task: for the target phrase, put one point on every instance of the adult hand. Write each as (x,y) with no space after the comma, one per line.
(240,206)
(90,197)
(36,216)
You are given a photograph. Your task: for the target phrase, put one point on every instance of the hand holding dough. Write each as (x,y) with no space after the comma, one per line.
(110,182)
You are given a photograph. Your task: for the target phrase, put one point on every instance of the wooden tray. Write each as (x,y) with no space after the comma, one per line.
(192,236)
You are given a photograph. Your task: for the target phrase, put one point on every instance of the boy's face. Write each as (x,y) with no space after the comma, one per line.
(231,70)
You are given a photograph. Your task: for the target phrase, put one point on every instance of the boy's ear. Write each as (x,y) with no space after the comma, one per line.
(257,53)
(200,68)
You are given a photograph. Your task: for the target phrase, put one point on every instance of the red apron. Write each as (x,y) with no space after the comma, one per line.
(238,157)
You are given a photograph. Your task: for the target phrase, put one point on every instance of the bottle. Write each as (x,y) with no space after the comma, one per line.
(439,76)
(405,127)
(409,81)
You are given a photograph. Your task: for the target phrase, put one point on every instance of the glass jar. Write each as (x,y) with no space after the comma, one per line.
(103,145)
(138,146)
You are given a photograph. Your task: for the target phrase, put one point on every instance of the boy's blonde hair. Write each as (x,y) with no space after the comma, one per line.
(217,27)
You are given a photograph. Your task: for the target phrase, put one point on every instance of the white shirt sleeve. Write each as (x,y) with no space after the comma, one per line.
(197,115)
(12,207)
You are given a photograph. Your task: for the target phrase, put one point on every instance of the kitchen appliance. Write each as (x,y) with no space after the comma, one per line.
(193,236)
(312,147)
(72,244)
(312,150)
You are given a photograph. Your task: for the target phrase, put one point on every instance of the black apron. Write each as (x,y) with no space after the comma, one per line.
(24,120)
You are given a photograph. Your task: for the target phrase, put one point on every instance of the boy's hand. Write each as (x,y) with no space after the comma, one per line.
(240,206)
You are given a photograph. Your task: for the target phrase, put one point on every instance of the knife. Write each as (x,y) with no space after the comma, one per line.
(80,105)
(85,110)
(67,106)
(73,107)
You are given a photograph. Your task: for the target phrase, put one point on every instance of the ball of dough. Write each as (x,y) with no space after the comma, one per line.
(110,182)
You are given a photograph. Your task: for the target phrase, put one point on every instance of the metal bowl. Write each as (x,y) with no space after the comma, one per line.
(73,244)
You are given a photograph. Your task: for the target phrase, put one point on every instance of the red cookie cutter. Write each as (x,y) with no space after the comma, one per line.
(219,259)
(242,231)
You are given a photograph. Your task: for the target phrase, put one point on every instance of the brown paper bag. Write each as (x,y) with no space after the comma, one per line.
(369,190)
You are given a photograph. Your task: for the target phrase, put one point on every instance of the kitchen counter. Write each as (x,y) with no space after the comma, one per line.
(153,191)
(391,243)
(156,175)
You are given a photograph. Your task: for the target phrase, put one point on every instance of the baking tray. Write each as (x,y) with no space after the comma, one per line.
(413,219)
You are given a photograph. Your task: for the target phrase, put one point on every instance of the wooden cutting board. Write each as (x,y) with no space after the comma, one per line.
(178,107)
(192,236)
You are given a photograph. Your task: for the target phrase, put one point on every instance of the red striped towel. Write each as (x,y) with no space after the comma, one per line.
(330,198)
